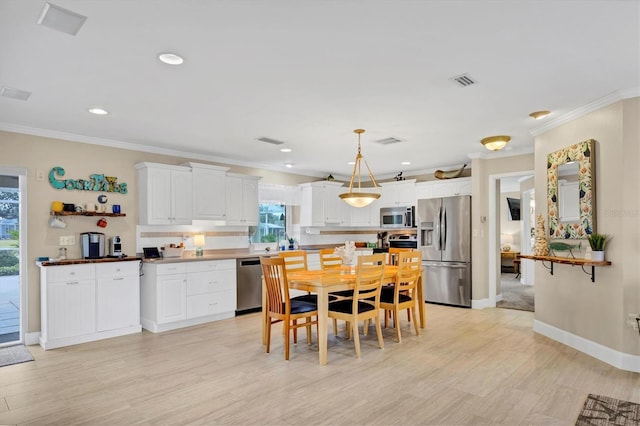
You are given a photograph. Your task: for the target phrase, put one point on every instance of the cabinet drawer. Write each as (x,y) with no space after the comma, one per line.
(209,282)
(71,272)
(211,265)
(210,304)
(117,269)
(171,268)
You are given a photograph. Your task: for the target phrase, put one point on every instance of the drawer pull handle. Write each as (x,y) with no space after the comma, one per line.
(118,279)
(73,282)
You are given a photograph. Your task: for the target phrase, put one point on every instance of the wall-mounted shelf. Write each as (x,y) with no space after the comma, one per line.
(569,261)
(103,214)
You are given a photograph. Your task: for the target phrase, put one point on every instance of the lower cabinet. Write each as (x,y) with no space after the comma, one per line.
(176,295)
(87,302)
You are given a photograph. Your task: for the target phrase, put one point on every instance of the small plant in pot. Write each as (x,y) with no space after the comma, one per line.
(597,243)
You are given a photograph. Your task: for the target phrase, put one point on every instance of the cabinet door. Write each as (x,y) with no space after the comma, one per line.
(250,202)
(71,308)
(117,302)
(235,213)
(335,209)
(157,196)
(209,192)
(172,298)
(181,193)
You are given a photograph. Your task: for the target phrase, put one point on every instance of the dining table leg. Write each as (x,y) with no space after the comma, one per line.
(323,313)
(421,302)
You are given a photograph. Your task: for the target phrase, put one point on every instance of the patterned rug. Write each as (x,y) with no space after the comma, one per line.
(601,410)
(516,295)
(14,355)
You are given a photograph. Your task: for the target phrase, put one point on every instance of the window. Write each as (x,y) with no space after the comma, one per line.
(272,223)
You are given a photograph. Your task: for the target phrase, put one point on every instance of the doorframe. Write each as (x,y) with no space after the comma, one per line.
(494,231)
(21,174)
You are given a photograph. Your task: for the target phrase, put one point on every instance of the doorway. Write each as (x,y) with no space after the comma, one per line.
(508,241)
(12,254)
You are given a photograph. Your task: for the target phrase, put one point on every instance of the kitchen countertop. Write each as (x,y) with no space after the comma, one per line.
(81,261)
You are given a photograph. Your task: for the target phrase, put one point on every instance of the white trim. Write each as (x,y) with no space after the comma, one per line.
(586,109)
(612,357)
(481,304)
(32,338)
(498,297)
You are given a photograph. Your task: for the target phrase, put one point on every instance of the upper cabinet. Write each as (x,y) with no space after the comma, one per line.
(209,191)
(165,195)
(242,199)
(400,193)
(321,204)
(443,188)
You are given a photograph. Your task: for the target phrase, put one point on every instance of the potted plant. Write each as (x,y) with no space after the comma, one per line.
(597,243)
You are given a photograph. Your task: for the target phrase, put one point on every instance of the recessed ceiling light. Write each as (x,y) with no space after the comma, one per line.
(539,114)
(351,163)
(285,150)
(170,58)
(288,165)
(98,111)
(406,163)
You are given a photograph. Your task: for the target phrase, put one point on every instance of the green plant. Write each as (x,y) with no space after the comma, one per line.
(598,241)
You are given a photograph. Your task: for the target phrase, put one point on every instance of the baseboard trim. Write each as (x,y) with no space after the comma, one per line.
(612,357)
(32,338)
(481,304)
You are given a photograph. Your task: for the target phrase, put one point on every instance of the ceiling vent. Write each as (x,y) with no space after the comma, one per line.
(61,19)
(271,141)
(20,95)
(464,80)
(388,141)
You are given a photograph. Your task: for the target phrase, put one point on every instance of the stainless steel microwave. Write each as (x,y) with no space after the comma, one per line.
(398,217)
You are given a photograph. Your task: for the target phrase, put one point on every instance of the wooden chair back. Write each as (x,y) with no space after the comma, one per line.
(394,253)
(409,270)
(369,278)
(294,260)
(275,280)
(329,260)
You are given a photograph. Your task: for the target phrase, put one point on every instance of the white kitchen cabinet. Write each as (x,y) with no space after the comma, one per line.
(444,188)
(242,200)
(79,304)
(209,191)
(398,194)
(321,204)
(117,295)
(165,194)
(365,216)
(182,294)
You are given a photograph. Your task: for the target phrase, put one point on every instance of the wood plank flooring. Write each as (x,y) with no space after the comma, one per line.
(468,367)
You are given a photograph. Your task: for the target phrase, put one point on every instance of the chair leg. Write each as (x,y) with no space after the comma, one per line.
(335,327)
(268,337)
(396,323)
(308,327)
(295,332)
(356,338)
(379,332)
(365,330)
(415,322)
(286,340)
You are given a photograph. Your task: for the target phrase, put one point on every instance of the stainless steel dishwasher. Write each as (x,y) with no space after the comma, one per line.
(248,285)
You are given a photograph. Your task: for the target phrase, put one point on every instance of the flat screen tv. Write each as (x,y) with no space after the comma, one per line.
(514,208)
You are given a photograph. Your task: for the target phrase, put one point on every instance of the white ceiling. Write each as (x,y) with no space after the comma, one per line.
(309,72)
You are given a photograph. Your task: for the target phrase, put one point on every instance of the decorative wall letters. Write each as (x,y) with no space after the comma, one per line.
(96,182)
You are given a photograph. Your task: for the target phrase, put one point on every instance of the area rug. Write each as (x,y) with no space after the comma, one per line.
(602,410)
(516,296)
(14,355)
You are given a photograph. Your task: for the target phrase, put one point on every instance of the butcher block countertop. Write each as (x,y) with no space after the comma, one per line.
(82,261)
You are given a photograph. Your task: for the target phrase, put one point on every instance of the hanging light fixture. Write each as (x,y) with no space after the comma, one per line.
(495,143)
(359,198)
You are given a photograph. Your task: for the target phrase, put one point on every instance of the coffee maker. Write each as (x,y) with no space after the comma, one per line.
(115,246)
(92,244)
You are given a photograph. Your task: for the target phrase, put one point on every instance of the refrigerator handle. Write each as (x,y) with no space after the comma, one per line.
(444,227)
(439,227)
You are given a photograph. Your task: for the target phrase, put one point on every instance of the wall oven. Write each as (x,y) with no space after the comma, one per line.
(398,217)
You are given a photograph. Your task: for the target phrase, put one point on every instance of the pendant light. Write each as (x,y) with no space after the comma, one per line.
(359,198)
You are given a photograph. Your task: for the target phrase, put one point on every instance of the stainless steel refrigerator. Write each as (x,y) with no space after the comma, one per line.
(444,236)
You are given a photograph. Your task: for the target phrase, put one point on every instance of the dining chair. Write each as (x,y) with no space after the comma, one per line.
(280,307)
(403,294)
(329,259)
(365,303)
(394,252)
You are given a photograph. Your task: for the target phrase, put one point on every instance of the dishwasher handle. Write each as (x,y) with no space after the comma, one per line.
(249,262)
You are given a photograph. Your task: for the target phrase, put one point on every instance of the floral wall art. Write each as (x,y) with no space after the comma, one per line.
(583,153)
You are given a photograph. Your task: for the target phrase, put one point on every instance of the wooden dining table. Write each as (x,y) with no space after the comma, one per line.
(322,282)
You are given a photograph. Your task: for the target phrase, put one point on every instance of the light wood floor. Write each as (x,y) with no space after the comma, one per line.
(468,367)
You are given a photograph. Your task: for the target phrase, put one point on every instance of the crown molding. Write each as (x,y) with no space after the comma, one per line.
(602,102)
